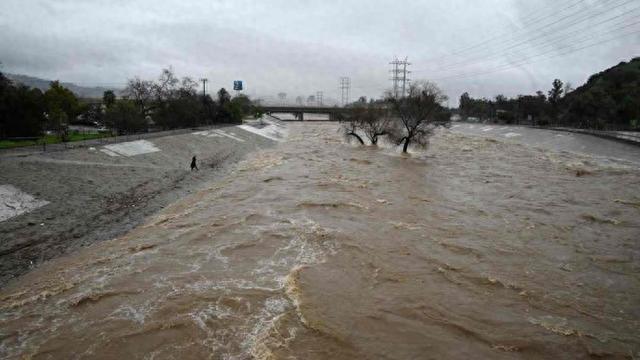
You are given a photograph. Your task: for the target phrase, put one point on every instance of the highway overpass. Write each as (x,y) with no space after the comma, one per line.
(335,113)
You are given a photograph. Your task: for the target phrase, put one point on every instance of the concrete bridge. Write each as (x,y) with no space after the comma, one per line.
(335,113)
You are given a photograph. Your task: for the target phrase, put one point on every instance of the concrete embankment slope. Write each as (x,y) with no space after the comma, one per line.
(604,149)
(52,203)
(630,137)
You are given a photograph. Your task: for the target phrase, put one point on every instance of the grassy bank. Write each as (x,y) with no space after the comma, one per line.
(51,139)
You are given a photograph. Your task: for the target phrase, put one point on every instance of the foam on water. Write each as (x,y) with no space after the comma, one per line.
(511,134)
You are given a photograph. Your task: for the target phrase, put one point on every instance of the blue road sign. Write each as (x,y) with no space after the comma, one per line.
(237,85)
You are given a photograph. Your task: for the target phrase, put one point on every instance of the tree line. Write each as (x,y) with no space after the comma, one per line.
(27,112)
(608,100)
(405,121)
(167,103)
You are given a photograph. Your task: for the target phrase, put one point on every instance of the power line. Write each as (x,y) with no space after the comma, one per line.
(542,35)
(562,37)
(527,61)
(586,38)
(499,36)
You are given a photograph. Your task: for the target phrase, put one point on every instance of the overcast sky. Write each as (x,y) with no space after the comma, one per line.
(299,47)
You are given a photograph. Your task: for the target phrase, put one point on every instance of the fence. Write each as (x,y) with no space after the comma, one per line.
(25,150)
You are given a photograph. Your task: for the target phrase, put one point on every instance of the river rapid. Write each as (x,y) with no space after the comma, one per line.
(318,249)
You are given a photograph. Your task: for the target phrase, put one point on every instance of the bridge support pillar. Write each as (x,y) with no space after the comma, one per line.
(300,116)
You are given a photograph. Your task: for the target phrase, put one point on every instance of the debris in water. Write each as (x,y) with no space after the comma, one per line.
(557,325)
(596,219)
(627,202)
(582,172)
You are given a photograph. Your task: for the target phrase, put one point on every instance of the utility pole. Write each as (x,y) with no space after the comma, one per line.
(204,81)
(345,87)
(319,98)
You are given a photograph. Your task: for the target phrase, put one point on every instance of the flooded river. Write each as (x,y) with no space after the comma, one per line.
(317,249)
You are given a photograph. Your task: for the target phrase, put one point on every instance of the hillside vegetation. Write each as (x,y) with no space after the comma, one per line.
(608,100)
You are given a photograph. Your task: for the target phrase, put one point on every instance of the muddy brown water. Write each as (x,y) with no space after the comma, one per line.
(317,249)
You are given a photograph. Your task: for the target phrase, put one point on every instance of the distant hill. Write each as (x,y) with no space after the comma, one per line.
(43,84)
(608,98)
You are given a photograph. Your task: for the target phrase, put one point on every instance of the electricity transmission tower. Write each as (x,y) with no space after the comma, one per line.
(345,87)
(319,98)
(399,76)
(282,96)
(204,81)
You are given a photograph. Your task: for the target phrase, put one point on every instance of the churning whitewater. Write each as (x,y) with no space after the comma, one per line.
(317,249)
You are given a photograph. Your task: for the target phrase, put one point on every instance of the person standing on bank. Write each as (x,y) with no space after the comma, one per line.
(193,164)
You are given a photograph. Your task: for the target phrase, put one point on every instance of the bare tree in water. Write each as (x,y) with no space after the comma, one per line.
(418,114)
(366,120)
(350,128)
(375,122)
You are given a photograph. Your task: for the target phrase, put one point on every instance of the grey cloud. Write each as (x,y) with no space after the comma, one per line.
(294,46)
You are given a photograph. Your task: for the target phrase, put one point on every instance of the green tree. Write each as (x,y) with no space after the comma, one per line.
(62,106)
(244,103)
(227,112)
(609,99)
(257,111)
(223,96)
(555,94)
(125,117)
(232,112)
(109,98)
(22,110)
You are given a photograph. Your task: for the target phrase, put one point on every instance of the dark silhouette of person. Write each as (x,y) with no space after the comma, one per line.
(193,164)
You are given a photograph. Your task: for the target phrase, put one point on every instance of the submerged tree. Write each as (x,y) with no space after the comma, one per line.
(418,115)
(372,120)
(350,128)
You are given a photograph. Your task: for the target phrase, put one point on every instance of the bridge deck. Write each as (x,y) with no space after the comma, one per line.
(304,109)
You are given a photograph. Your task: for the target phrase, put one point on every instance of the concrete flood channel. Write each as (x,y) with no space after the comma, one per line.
(480,247)
(98,192)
